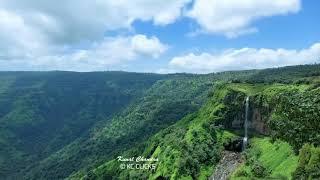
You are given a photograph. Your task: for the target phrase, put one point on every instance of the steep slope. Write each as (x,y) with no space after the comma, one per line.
(162,105)
(291,113)
(41,112)
(192,147)
(56,125)
(186,150)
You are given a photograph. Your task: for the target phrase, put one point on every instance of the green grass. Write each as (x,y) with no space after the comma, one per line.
(278,158)
(248,89)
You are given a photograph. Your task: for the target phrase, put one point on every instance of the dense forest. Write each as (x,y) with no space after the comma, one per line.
(69,125)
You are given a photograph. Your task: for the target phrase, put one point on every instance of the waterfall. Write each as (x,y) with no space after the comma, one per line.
(245,138)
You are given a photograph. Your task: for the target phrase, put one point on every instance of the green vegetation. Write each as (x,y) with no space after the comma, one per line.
(292,113)
(57,125)
(296,118)
(42,112)
(309,166)
(188,149)
(162,105)
(286,75)
(266,159)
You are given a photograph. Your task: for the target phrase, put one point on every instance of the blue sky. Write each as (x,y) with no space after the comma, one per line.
(196,36)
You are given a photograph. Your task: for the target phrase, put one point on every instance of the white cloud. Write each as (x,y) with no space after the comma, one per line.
(46,35)
(18,40)
(32,29)
(73,21)
(234,17)
(141,44)
(110,54)
(245,58)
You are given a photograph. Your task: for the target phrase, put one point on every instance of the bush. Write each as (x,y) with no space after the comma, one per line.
(309,163)
(259,170)
(242,173)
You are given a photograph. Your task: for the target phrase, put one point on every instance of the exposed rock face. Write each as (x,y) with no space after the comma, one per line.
(238,121)
(259,122)
(258,118)
(235,110)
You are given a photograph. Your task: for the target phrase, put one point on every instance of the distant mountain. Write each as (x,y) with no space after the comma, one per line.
(57,125)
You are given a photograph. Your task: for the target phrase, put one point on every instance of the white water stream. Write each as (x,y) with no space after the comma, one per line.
(245,138)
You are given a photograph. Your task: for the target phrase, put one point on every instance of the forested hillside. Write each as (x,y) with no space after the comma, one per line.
(162,105)
(42,112)
(192,147)
(57,125)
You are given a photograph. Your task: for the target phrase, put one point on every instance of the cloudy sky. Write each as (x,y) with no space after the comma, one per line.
(196,36)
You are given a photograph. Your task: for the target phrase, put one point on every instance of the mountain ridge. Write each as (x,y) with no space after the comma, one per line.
(99,115)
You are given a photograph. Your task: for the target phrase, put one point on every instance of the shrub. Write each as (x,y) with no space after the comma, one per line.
(309,163)
(259,170)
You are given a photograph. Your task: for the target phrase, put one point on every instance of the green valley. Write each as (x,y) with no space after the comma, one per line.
(67,125)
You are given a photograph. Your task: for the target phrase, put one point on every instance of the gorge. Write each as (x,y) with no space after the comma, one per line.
(67,125)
